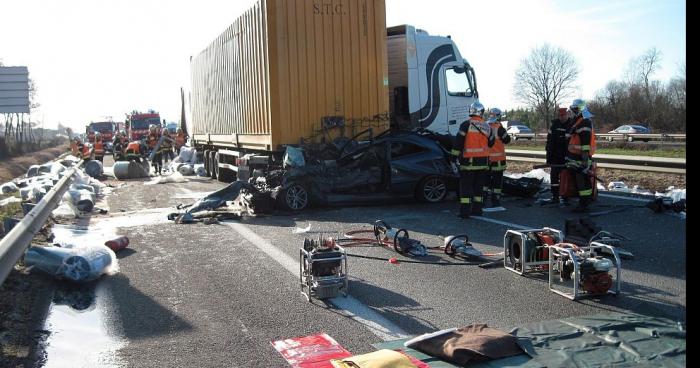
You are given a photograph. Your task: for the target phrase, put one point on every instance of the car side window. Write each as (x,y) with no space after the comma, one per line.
(401,149)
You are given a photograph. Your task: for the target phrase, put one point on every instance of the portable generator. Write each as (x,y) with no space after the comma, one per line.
(584,271)
(526,251)
(323,267)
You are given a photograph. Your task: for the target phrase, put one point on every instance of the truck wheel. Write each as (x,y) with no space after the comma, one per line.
(432,189)
(294,198)
(214,164)
(205,158)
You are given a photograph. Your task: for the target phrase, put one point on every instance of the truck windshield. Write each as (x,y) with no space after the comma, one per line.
(144,123)
(102,127)
(460,82)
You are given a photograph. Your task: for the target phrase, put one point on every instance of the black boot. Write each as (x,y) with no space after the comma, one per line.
(495,200)
(583,203)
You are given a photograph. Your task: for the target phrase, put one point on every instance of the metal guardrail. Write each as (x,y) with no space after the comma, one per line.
(610,137)
(621,162)
(13,245)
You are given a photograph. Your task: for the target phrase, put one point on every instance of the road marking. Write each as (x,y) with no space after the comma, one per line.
(349,306)
(623,197)
(507,224)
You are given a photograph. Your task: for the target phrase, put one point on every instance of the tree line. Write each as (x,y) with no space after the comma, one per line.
(546,79)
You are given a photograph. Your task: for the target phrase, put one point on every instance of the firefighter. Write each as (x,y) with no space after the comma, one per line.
(580,151)
(119,145)
(85,150)
(180,140)
(557,145)
(152,142)
(497,158)
(471,147)
(166,146)
(133,151)
(75,151)
(99,147)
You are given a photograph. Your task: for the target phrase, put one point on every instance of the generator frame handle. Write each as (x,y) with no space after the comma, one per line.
(556,250)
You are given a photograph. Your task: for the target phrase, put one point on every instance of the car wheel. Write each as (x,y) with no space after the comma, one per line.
(630,139)
(294,198)
(515,138)
(610,139)
(432,189)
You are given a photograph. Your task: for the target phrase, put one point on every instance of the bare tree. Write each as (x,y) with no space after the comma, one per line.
(545,77)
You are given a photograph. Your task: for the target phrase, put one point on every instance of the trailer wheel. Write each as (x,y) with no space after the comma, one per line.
(215,162)
(294,198)
(205,158)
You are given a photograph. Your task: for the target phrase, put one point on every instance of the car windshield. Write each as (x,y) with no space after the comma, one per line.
(522,128)
(102,127)
(144,123)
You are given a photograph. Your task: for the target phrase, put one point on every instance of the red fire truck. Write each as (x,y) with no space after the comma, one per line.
(106,129)
(137,124)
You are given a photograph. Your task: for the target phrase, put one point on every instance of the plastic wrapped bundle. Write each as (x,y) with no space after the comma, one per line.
(185,169)
(33,171)
(131,170)
(81,264)
(199,170)
(93,168)
(80,201)
(8,188)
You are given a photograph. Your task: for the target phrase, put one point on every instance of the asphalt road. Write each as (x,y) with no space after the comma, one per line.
(217,295)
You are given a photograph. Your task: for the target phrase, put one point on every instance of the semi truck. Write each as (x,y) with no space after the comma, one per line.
(301,72)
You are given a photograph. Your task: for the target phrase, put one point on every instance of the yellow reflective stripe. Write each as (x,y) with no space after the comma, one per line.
(478,199)
(586,148)
(576,146)
(584,129)
(472,168)
(455,152)
(486,189)
(475,149)
(498,168)
(465,200)
(497,191)
(586,192)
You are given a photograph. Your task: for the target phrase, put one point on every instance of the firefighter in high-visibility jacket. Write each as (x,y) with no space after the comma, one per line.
(471,148)
(99,147)
(85,150)
(74,150)
(497,158)
(580,152)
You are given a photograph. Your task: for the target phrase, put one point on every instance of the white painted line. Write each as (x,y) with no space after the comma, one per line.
(350,307)
(508,224)
(623,197)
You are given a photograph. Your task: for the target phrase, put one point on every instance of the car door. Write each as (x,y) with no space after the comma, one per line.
(409,163)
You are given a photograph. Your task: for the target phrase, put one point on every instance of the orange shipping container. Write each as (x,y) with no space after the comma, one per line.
(286,68)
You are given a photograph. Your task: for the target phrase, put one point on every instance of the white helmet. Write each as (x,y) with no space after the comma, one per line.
(476,109)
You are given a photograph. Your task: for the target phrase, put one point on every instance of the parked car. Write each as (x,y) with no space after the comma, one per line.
(396,166)
(631,129)
(520,132)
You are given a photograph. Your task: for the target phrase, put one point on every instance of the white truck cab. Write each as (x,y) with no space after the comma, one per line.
(430,85)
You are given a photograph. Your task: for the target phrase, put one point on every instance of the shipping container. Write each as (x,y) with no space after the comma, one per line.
(284,70)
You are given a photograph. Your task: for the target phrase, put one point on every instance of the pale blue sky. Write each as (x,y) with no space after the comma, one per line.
(93,58)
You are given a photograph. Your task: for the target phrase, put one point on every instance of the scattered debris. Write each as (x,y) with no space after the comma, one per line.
(131,169)
(172,178)
(9,200)
(298,230)
(117,244)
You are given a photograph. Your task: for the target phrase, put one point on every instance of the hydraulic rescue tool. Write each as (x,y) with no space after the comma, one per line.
(399,239)
(323,269)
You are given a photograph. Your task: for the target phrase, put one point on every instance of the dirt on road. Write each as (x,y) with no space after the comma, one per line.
(16,166)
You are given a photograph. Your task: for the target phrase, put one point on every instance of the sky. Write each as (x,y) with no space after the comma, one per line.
(92,59)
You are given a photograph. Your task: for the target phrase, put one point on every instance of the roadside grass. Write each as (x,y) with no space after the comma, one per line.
(11,209)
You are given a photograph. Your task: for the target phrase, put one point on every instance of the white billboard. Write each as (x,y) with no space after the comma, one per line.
(14,89)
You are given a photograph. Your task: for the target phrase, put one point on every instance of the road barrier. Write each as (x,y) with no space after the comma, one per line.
(621,162)
(14,244)
(676,139)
